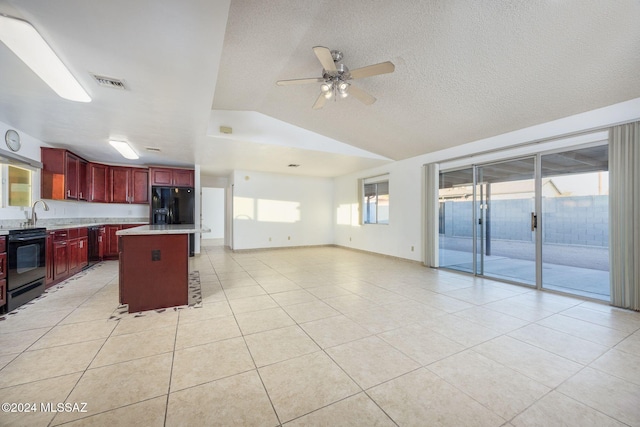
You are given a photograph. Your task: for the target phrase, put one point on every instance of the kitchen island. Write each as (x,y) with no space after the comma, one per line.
(154,265)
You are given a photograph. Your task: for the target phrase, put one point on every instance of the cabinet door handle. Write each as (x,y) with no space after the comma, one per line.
(81,194)
(68,193)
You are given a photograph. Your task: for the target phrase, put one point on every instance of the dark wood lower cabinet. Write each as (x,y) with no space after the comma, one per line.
(67,250)
(60,259)
(50,260)
(66,254)
(83,252)
(73,249)
(111,243)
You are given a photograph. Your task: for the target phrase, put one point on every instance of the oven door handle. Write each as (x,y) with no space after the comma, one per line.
(25,239)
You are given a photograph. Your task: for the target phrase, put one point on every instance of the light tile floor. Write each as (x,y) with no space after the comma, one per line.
(322,336)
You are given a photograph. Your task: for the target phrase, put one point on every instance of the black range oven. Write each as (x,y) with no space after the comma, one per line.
(26,265)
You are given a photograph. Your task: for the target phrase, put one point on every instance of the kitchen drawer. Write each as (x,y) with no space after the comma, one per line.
(82,232)
(59,235)
(3,244)
(73,233)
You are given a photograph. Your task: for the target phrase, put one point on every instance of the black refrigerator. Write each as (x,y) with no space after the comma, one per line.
(173,205)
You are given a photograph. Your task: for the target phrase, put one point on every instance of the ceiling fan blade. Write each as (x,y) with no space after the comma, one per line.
(361,95)
(373,70)
(299,81)
(325,58)
(320,102)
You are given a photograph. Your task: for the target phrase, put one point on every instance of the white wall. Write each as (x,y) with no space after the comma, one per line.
(213,212)
(404,230)
(406,191)
(272,210)
(214,181)
(228,214)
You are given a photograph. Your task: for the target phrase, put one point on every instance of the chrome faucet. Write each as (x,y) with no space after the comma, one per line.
(34,217)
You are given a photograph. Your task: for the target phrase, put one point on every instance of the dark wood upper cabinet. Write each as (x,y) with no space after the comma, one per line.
(67,176)
(139,186)
(120,177)
(129,185)
(169,177)
(83,181)
(63,175)
(98,183)
(183,178)
(161,176)
(71,176)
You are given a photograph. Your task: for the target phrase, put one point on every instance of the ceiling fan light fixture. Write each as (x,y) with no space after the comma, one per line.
(335,77)
(28,45)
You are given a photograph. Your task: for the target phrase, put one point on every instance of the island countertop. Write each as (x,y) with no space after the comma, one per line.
(163,229)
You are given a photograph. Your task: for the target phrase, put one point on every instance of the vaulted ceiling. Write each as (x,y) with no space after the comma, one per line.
(464,70)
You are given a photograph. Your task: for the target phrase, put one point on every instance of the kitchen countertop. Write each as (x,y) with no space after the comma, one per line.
(163,229)
(65,226)
(54,227)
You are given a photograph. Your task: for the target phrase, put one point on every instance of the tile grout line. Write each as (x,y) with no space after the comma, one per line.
(173,358)
(264,387)
(84,372)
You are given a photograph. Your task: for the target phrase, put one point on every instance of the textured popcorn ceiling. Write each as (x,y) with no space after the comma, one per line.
(465,70)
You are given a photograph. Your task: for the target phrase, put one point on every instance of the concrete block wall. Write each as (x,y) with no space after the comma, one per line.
(579,220)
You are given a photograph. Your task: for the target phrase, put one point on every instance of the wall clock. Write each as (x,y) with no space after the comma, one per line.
(12,138)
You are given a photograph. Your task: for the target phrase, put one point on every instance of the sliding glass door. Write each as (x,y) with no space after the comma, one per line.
(540,220)
(456,230)
(505,207)
(575,221)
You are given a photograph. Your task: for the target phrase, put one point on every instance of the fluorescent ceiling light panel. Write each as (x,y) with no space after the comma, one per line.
(30,47)
(124,149)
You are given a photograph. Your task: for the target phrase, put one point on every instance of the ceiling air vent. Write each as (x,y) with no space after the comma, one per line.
(154,149)
(109,82)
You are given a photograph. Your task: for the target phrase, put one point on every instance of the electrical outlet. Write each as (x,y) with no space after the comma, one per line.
(269,238)
(411,248)
(288,237)
(349,238)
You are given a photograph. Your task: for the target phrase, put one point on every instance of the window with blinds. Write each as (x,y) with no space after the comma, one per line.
(375,200)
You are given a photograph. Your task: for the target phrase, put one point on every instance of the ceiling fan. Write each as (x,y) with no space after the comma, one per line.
(335,77)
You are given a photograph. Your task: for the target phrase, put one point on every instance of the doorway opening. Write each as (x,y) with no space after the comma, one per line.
(213,215)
